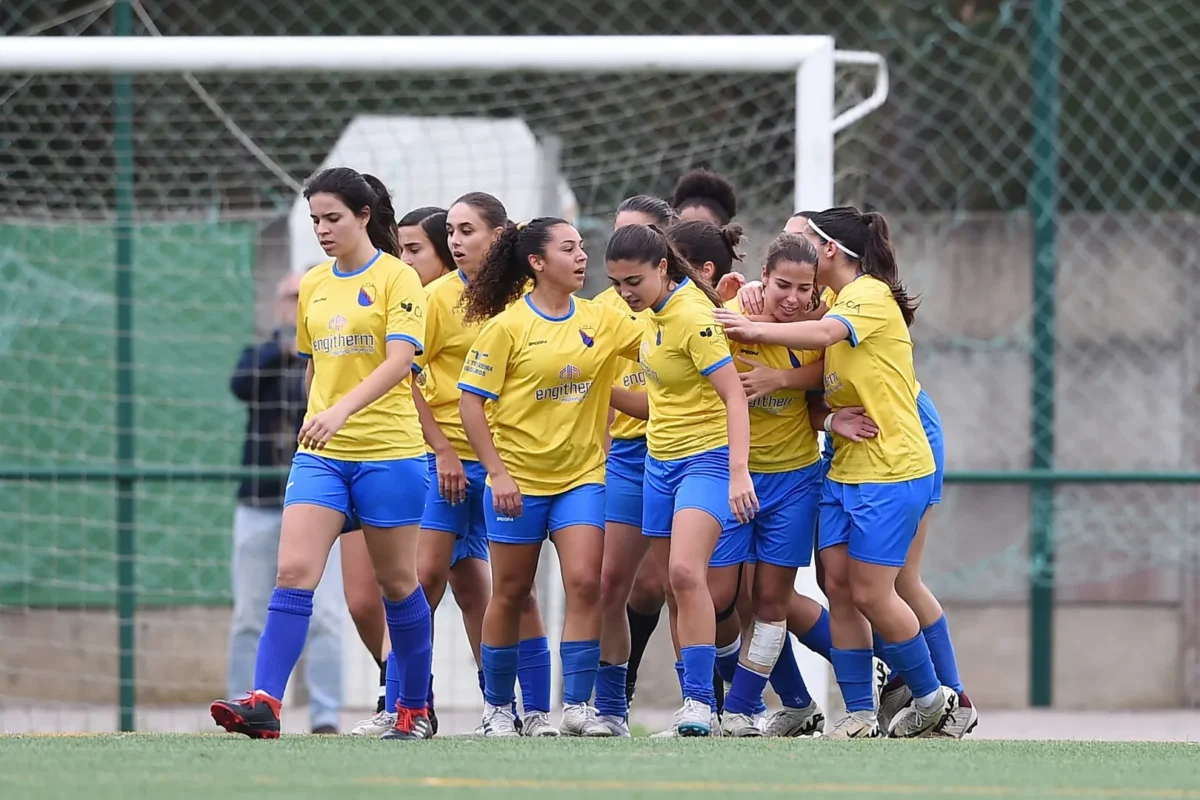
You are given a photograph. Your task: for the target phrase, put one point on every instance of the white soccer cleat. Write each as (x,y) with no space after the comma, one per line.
(579,719)
(499,722)
(882,676)
(913,722)
(619,726)
(807,721)
(891,702)
(739,725)
(376,726)
(857,725)
(695,719)
(961,718)
(536,724)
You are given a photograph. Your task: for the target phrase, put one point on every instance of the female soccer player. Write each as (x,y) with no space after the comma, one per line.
(361,322)
(697,442)
(707,196)
(453,523)
(787,473)
(631,596)
(877,490)
(547,363)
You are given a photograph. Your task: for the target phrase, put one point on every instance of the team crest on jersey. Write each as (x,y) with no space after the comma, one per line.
(366,294)
(588,334)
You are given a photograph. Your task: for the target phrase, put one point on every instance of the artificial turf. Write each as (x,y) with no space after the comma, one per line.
(334,768)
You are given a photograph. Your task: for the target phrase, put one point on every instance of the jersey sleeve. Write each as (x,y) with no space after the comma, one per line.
(433,333)
(303,336)
(487,361)
(406,307)
(707,346)
(860,307)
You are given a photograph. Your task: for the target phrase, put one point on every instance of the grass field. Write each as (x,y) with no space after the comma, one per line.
(334,768)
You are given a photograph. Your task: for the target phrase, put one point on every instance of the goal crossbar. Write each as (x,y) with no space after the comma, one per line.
(208,54)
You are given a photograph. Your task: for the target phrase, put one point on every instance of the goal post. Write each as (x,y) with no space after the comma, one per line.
(176,198)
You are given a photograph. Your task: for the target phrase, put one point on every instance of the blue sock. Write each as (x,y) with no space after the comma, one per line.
(856,677)
(429,697)
(911,659)
(760,705)
(580,660)
(500,673)
(881,651)
(727,659)
(392,686)
(482,690)
(818,638)
(746,692)
(787,681)
(610,690)
(698,663)
(679,674)
(282,639)
(941,651)
(411,628)
(533,671)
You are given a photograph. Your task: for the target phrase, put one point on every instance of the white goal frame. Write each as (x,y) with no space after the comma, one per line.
(810,59)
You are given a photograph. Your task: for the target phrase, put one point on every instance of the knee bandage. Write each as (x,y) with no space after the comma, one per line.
(766,643)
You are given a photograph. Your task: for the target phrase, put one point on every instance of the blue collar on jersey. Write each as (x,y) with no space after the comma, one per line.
(666,299)
(547,317)
(358,271)
(462,276)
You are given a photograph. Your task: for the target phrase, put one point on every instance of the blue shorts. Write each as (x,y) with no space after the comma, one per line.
(782,530)
(932,424)
(465,520)
(625,470)
(701,482)
(877,520)
(383,494)
(543,515)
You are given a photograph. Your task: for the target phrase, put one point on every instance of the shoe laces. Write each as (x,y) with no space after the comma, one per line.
(406,718)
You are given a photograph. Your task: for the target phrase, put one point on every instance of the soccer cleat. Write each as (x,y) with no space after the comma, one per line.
(432,722)
(739,725)
(913,722)
(695,719)
(376,726)
(857,725)
(714,724)
(807,721)
(537,725)
(882,674)
(894,698)
(499,721)
(256,715)
(411,723)
(961,718)
(619,726)
(579,719)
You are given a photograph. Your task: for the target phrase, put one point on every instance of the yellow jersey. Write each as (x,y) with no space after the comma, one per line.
(781,437)
(549,380)
(447,340)
(683,346)
(873,368)
(344,321)
(631,376)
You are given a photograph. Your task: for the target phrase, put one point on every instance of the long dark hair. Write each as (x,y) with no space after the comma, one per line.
(433,221)
(795,248)
(707,190)
(656,207)
(358,191)
(506,270)
(647,244)
(868,235)
(699,241)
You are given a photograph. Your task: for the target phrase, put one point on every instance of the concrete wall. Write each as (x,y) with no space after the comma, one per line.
(1128,365)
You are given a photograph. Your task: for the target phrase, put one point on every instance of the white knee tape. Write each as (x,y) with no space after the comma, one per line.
(766,643)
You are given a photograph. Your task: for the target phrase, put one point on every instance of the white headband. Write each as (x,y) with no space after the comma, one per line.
(832,241)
